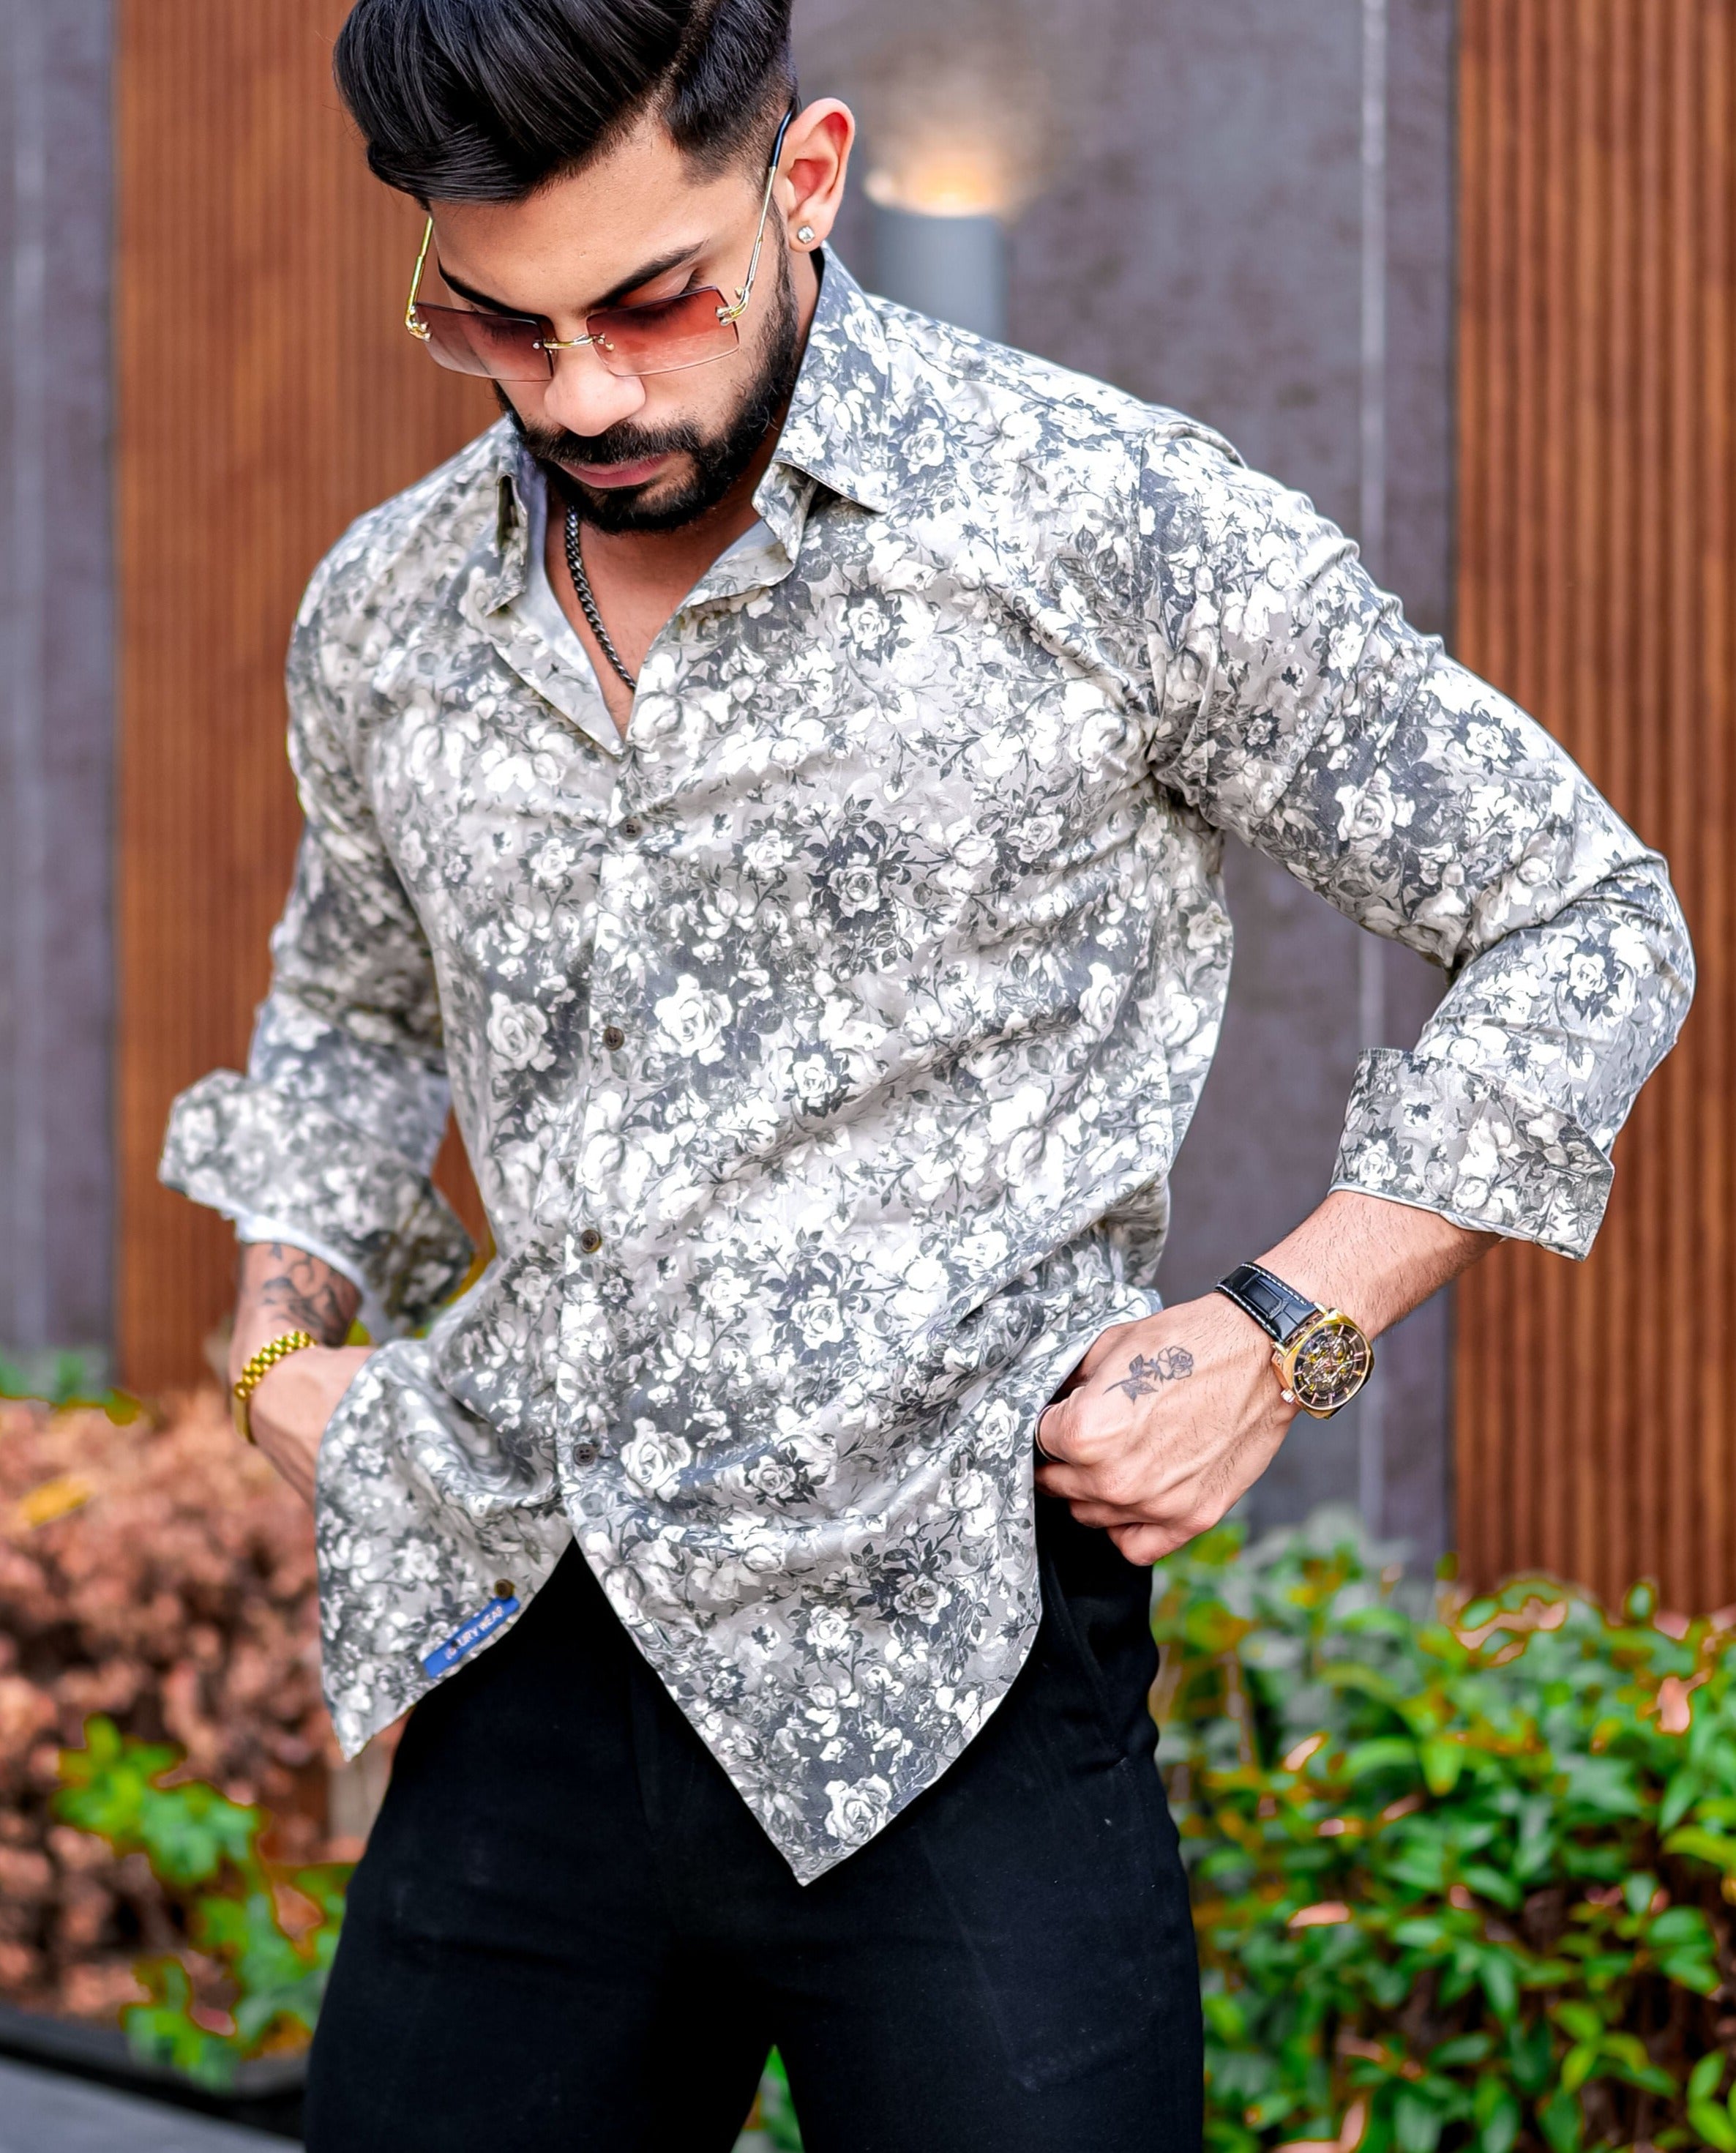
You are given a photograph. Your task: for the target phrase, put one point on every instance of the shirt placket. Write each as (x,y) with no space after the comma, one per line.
(599,1172)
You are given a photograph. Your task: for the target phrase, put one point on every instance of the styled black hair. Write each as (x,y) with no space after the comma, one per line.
(484,100)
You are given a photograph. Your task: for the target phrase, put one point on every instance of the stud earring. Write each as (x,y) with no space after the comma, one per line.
(804,232)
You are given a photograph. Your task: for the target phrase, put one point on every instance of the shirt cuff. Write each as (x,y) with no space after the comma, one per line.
(250,1151)
(1444,1138)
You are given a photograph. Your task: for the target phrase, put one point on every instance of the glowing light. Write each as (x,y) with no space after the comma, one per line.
(948,180)
(968,108)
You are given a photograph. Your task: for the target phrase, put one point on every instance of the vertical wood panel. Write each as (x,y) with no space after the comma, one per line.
(268,393)
(1596,1435)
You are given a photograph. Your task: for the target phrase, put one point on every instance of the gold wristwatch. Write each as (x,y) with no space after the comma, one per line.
(1323,1356)
(258,1367)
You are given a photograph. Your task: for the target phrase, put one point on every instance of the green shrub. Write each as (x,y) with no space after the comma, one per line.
(776,2112)
(260,1939)
(1461,1871)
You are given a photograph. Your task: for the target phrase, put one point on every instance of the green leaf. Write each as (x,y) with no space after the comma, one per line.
(1490,1884)
(1442,1763)
(1650,2078)
(1681,1925)
(1499,1976)
(1225,2017)
(779,2113)
(1713,2122)
(104,1785)
(1386,1753)
(1691,1971)
(161,2032)
(1604,1784)
(1417,2122)
(1638,1890)
(1533,2054)
(1353,1675)
(1703,1845)
(1577,2065)
(1706,2077)
(1678,1797)
(191,1831)
(1462,2049)
(1563,2122)
(1580,2021)
(1498,2117)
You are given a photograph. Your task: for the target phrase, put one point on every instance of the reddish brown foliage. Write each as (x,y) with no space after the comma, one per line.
(178,1597)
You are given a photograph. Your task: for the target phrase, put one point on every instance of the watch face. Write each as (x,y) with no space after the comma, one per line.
(1331,1365)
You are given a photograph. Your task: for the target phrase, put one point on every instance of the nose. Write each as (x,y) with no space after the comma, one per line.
(585,398)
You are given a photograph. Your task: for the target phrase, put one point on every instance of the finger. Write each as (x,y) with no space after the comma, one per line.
(1144,1545)
(1093,1468)
(1071,1429)
(1076,1486)
(1074,1483)
(1107,1517)
(1053,1423)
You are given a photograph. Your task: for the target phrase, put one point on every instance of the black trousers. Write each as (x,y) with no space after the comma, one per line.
(569,1932)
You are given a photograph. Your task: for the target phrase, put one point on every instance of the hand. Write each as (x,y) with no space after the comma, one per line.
(293,1403)
(1166,1424)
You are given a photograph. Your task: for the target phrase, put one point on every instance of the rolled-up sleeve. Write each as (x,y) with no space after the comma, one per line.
(332,1133)
(1295,707)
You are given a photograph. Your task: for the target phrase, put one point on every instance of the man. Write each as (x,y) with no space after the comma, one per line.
(776,778)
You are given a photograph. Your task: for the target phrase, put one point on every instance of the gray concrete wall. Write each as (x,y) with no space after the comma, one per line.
(1252,221)
(57,685)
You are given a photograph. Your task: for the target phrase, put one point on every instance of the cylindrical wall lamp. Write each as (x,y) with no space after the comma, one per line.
(953,268)
(940,243)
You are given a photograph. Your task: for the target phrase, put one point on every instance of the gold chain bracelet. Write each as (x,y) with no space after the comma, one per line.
(257,1368)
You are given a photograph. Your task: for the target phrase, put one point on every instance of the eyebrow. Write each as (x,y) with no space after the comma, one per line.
(643,275)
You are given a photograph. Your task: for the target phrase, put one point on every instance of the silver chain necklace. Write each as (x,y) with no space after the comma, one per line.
(582,585)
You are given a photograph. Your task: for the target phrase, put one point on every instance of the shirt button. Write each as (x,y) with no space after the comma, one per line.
(585,1453)
(589,1241)
(632,827)
(613,1037)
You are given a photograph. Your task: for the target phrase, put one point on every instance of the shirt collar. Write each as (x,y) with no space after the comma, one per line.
(834,431)
(492,573)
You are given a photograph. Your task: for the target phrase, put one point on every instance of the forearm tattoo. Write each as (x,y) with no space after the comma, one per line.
(303,1294)
(1171,1364)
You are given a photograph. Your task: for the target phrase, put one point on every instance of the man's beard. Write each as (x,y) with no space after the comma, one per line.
(718,461)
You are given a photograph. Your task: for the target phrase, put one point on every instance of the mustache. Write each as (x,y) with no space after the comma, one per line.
(625,444)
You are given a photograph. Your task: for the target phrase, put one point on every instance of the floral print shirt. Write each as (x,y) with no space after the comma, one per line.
(823,1046)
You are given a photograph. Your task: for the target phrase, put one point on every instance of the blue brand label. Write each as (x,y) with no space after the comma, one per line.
(469,1635)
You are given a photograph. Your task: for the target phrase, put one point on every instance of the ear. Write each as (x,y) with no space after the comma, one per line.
(816,159)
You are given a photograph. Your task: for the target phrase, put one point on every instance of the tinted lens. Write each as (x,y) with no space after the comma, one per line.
(664,336)
(504,347)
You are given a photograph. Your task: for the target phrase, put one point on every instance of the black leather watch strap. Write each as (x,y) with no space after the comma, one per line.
(1278,1309)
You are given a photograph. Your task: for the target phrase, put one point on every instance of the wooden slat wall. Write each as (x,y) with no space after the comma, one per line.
(1597,1404)
(268,393)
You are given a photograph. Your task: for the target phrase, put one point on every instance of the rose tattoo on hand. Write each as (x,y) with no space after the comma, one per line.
(1171,1365)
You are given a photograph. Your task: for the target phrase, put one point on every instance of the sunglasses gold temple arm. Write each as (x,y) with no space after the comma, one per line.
(416,328)
(743,292)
